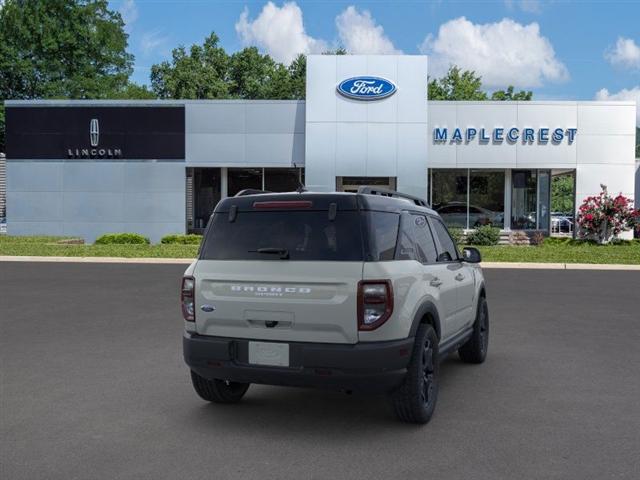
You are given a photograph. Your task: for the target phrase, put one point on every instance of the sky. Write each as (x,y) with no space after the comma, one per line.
(561,50)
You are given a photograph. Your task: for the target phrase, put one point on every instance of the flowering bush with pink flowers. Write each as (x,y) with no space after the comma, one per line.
(604,217)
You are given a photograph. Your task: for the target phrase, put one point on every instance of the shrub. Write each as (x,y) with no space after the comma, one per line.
(190,239)
(457,234)
(518,238)
(603,217)
(537,238)
(122,239)
(484,235)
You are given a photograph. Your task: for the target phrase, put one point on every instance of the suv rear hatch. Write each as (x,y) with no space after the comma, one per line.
(281,267)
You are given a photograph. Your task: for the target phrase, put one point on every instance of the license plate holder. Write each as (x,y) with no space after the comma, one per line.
(269,354)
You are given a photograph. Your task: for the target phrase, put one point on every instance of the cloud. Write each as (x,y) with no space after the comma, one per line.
(626,53)
(504,53)
(151,41)
(632,94)
(129,12)
(278,31)
(528,6)
(360,34)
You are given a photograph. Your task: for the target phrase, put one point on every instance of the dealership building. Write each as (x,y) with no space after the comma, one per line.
(84,168)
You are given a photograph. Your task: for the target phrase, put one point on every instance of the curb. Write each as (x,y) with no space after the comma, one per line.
(559,266)
(186,261)
(9,258)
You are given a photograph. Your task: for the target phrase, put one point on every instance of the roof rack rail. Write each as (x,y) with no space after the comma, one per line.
(385,192)
(250,191)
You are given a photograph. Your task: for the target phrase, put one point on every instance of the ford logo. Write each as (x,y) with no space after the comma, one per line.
(207,308)
(366,88)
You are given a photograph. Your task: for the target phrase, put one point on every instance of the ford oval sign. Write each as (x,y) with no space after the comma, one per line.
(366,88)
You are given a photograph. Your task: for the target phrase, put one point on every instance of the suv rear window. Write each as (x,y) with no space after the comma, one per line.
(305,235)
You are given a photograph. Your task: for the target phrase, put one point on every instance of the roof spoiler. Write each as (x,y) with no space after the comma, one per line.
(250,191)
(384,192)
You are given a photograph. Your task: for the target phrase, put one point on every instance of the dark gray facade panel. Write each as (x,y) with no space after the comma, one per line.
(98,132)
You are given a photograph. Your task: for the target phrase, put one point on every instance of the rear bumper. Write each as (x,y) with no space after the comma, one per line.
(370,367)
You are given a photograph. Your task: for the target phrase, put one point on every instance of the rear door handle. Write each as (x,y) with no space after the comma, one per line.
(436,282)
(459,277)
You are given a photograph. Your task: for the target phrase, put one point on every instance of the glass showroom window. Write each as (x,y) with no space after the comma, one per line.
(243,178)
(524,193)
(486,198)
(205,186)
(448,195)
(282,179)
(468,198)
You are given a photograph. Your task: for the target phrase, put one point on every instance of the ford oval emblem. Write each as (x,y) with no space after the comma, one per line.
(366,88)
(207,308)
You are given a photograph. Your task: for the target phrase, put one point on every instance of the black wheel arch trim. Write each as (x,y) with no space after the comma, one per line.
(427,308)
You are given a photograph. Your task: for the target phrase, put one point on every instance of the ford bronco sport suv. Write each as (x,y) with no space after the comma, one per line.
(353,291)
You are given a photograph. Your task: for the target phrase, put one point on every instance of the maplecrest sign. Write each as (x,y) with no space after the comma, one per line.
(510,135)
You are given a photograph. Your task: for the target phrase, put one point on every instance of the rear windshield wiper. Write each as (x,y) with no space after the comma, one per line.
(283,252)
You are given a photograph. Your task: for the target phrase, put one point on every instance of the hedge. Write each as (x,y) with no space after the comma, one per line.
(485,235)
(190,239)
(122,239)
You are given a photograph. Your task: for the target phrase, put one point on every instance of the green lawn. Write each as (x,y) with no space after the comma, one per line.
(48,247)
(553,252)
(583,253)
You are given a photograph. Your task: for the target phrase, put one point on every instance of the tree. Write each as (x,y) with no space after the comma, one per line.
(61,49)
(562,193)
(457,85)
(510,95)
(199,74)
(298,74)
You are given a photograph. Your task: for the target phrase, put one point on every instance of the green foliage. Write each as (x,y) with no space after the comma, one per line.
(181,239)
(562,193)
(510,95)
(457,234)
(207,72)
(460,84)
(484,235)
(122,239)
(457,85)
(62,49)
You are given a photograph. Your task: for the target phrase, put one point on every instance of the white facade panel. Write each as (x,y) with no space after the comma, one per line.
(320,173)
(412,149)
(321,101)
(382,150)
(606,149)
(351,149)
(607,118)
(411,96)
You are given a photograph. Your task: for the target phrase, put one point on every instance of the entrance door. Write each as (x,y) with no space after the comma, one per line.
(351,184)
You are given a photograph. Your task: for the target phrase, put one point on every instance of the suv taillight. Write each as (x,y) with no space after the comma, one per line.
(187,298)
(375,303)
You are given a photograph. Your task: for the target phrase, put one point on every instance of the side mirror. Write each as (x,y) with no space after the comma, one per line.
(471,255)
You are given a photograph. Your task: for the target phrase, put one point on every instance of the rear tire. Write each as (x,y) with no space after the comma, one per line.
(475,350)
(218,391)
(415,400)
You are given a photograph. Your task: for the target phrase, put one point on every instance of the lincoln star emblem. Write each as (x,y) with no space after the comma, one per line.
(94,132)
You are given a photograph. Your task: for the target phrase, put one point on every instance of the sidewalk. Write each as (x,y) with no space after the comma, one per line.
(186,261)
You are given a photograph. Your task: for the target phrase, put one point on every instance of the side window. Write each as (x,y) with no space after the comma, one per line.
(382,234)
(406,248)
(425,246)
(448,251)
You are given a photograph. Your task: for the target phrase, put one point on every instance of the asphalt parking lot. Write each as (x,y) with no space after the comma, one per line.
(93,387)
